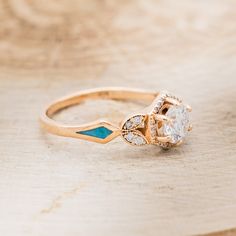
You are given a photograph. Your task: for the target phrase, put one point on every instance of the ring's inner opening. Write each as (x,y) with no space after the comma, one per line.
(111,105)
(91,110)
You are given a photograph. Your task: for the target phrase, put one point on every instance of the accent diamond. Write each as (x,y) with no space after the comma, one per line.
(128,124)
(135,138)
(134,122)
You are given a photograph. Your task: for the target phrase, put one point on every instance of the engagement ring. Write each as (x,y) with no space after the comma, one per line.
(165,122)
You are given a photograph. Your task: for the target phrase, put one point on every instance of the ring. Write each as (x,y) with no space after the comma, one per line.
(165,122)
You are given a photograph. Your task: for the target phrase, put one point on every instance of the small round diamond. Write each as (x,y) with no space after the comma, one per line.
(153,130)
(137,119)
(128,124)
(139,140)
(129,136)
(179,124)
(135,139)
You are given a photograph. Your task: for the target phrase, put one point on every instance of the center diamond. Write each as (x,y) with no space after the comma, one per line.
(179,124)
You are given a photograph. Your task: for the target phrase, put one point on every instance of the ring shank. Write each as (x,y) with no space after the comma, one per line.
(57,128)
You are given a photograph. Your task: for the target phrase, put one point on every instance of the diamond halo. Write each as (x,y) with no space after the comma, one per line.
(166,124)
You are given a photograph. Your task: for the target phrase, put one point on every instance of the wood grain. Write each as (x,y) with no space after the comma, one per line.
(57,186)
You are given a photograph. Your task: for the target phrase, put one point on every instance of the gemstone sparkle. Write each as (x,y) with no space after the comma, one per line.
(179,124)
(135,139)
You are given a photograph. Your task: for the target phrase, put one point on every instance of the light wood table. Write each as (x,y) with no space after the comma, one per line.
(59,186)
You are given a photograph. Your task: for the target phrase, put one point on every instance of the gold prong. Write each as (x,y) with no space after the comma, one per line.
(190,127)
(172,101)
(159,117)
(165,139)
(179,143)
(189,108)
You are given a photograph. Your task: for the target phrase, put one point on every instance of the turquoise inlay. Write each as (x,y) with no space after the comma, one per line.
(100,132)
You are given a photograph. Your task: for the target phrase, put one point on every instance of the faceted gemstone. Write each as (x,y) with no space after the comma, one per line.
(153,130)
(134,122)
(129,137)
(100,132)
(138,140)
(135,138)
(137,120)
(179,124)
(128,124)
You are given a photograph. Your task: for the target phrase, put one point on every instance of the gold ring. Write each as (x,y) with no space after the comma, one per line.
(165,122)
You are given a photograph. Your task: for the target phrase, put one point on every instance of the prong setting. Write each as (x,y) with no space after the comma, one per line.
(190,127)
(189,108)
(179,143)
(165,139)
(164,118)
(172,122)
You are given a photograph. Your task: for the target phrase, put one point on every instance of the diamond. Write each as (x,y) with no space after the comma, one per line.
(139,140)
(138,120)
(156,109)
(129,137)
(134,122)
(135,138)
(128,124)
(178,127)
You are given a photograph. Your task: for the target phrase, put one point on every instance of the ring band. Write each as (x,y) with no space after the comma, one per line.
(164,122)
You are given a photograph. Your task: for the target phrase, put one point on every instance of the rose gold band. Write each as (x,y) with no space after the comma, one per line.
(57,128)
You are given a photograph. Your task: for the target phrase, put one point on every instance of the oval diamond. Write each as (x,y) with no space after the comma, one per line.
(179,124)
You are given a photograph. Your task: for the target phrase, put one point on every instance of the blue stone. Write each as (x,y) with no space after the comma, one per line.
(100,132)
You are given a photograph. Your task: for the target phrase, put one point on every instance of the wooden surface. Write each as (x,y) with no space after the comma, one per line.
(57,186)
